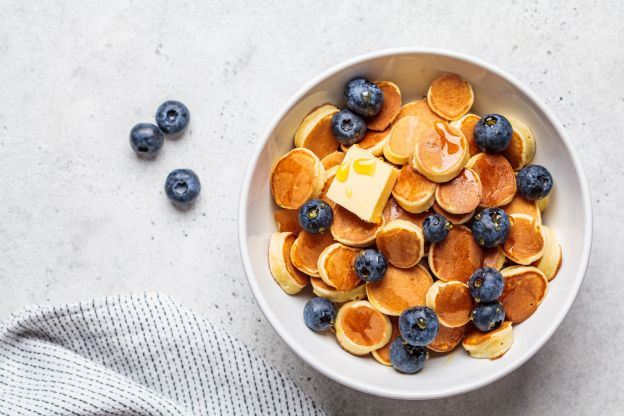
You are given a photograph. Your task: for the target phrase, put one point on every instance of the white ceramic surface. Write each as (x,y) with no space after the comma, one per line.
(569,214)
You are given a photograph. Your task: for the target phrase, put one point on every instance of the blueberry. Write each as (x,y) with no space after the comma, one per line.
(315,216)
(488,316)
(491,227)
(436,227)
(348,127)
(534,182)
(182,187)
(319,314)
(418,325)
(486,284)
(407,358)
(146,140)
(492,133)
(173,117)
(371,265)
(363,97)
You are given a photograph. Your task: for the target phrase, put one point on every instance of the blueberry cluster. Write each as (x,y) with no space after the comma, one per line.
(486,286)
(418,327)
(363,99)
(182,186)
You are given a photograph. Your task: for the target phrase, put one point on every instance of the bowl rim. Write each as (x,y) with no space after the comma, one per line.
(283,333)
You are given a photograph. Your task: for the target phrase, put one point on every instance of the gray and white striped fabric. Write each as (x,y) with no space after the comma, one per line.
(135,355)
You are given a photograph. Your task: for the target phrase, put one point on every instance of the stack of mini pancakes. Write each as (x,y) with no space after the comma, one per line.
(441,170)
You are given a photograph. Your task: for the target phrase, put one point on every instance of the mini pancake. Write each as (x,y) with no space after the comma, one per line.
(306,250)
(315,132)
(450,96)
(441,152)
(394,211)
(550,263)
(335,265)
(401,242)
(361,329)
(447,338)
(413,191)
(418,108)
(543,203)
(467,124)
(404,135)
(382,355)
(520,205)
(329,178)
(461,195)
(493,257)
(373,141)
(521,149)
(390,108)
(453,218)
(492,345)
(526,242)
(290,279)
(322,289)
(350,230)
(399,289)
(333,159)
(296,177)
(498,180)
(287,220)
(457,256)
(451,301)
(525,288)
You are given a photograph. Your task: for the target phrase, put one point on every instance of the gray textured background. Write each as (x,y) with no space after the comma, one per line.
(81,217)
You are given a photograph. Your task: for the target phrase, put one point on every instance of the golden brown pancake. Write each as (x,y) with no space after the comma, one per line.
(447,339)
(329,178)
(461,195)
(493,257)
(467,124)
(453,218)
(544,202)
(401,242)
(399,289)
(451,301)
(457,256)
(413,191)
(382,355)
(335,265)
(290,279)
(550,263)
(393,211)
(520,205)
(315,132)
(525,242)
(296,177)
(350,230)
(492,345)
(403,137)
(361,329)
(390,108)
(373,141)
(440,153)
(498,180)
(525,288)
(287,220)
(306,250)
(322,289)
(333,159)
(450,96)
(419,108)
(521,149)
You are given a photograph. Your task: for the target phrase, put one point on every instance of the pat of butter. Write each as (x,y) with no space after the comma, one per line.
(363,184)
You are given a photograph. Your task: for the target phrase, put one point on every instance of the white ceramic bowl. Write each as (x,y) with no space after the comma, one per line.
(569,214)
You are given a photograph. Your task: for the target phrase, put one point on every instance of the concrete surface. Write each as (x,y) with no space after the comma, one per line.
(81,217)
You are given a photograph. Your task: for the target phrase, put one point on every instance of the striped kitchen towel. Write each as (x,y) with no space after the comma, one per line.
(135,355)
